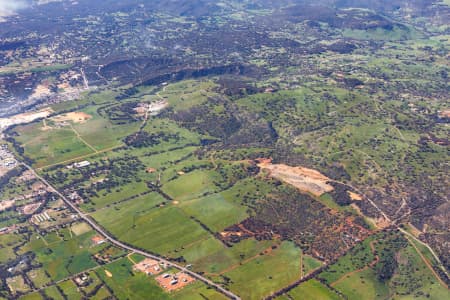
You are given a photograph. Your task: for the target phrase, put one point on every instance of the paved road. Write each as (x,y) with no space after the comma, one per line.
(130,248)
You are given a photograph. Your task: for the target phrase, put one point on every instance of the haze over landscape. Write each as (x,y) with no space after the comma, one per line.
(199,149)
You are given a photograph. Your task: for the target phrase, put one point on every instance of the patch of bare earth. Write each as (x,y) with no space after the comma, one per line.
(445,113)
(306,180)
(30,208)
(5,204)
(355,196)
(75,117)
(24,118)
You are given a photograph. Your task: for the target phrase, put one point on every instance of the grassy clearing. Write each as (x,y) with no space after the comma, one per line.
(191,185)
(17,284)
(267,273)
(213,257)
(32,296)
(186,94)
(7,243)
(162,230)
(166,159)
(413,278)
(70,290)
(355,259)
(65,256)
(50,146)
(53,293)
(310,263)
(120,216)
(197,291)
(313,289)
(124,286)
(363,285)
(215,211)
(38,277)
(101,133)
(118,194)
(80,228)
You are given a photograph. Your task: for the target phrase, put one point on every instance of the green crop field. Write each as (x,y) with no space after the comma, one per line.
(38,277)
(312,289)
(212,256)
(100,133)
(137,286)
(163,230)
(70,290)
(197,291)
(66,255)
(53,293)
(50,146)
(266,274)
(122,216)
(214,211)
(191,185)
(123,192)
(32,296)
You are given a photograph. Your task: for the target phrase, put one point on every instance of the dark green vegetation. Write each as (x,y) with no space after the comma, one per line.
(164,152)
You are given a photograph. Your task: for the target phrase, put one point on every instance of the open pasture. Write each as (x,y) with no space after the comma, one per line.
(267,273)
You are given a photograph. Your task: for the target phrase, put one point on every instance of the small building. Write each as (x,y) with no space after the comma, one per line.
(97,240)
(82,164)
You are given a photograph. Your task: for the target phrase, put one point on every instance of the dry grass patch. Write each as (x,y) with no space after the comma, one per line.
(75,117)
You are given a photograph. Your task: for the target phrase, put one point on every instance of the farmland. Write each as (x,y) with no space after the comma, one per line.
(276,149)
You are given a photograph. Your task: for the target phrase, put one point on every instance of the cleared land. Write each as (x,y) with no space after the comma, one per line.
(306,180)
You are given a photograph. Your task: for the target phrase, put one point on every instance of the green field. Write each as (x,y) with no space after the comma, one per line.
(32,296)
(50,146)
(136,286)
(106,198)
(197,291)
(266,274)
(214,211)
(70,290)
(54,293)
(162,230)
(64,256)
(99,132)
(191,185)
(212,256)
(313,289)
(38,277)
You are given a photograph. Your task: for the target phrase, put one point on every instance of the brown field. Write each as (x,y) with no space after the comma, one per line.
(181,278)
(445,113)
(75,117)
(306,180)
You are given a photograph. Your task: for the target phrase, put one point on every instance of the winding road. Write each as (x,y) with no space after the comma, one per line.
(122,245)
